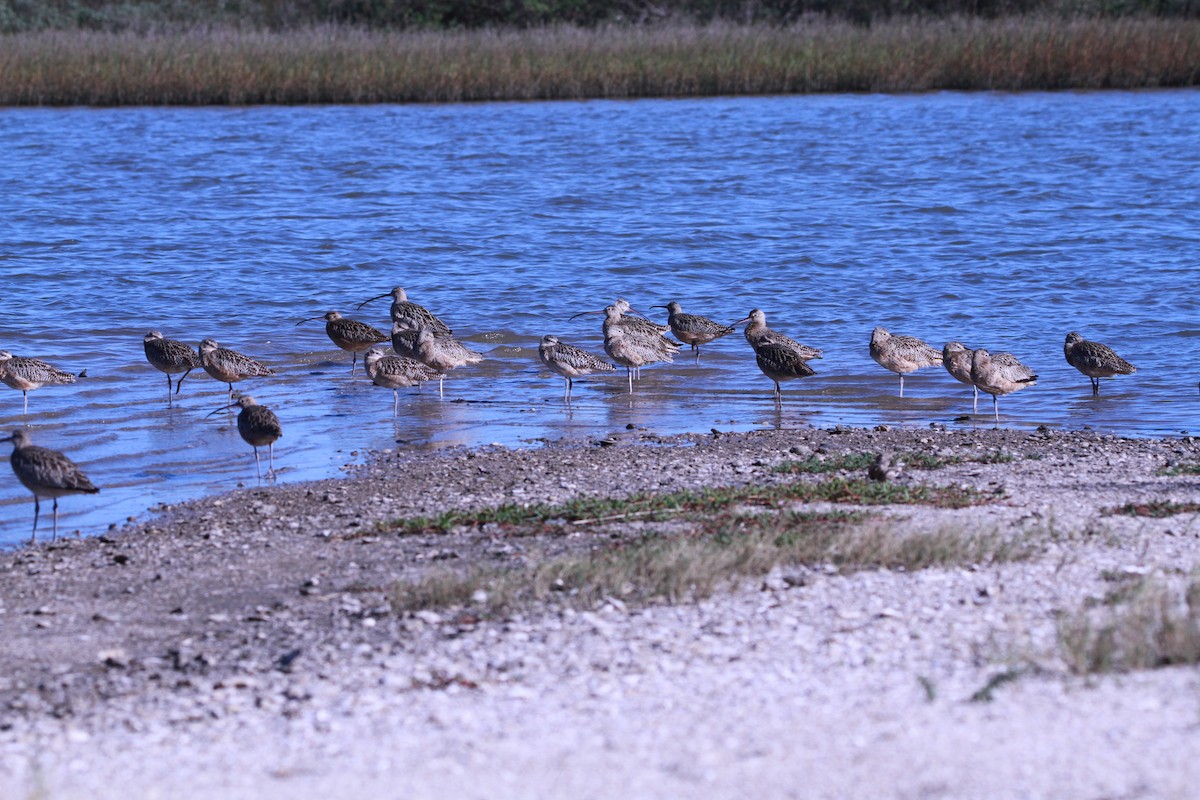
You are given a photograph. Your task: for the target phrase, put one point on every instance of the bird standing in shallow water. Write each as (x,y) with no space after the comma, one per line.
(780,363)
(1094,360)
(409,315)
(27,374)
(757,333)
(956,358)
(901,354)
(570,362)
(349,334)
(170,356)
(692,329)
(396,372)
(46,473)
(999,374)
(443,353)
(259,427)
(228,365)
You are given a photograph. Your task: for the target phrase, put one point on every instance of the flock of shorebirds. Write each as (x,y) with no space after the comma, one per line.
(424,349)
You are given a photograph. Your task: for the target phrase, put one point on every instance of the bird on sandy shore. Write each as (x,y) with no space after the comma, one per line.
(570,362)
(956,358)
(780,363)
(170,356)
(999,374)
(229,366)
(409,315)
(692,329)
(46,473)
(443,353)
(349,334)
(1094,360)
(757,332)
(259,427)
(902,354)
(396,372)
(26,374)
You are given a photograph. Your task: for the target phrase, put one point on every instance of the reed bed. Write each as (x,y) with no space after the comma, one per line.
(349,65)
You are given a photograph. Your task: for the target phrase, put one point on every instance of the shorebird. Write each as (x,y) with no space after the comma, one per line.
(956,358)
(640,328)
(349,334)
(259,427)
(443,353)
(780,363)
(170,356)
(1000,374)
(229,366)
(410,315)
(757,332)
(46,473)
(692,329)
(901,354)
(1093,359)
(632,350)
(404,340)
(27,374)
(570,362)
(396,372)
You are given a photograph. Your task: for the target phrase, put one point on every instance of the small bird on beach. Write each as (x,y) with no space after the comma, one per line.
(229,366)
(570,362)
(998,375)
(692,329)
(757,333)
(409,315)
(170,356)
(46,473)
(396,372)
(27,374)
(901,354)
(1094,360)
(349,334)
(259,427)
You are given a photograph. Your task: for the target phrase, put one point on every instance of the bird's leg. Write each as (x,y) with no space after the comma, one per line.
(975,405)
(25,394)
(1095,387)
(178,383)
(231,399)
(271,455)
(37,509)
(54,536)
(170,387)
(353,360)
(395,402)
(996,408)
(696,347)
(441,388)
(901,374)
(567,390)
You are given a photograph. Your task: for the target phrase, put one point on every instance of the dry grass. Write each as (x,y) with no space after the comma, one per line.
(342,65)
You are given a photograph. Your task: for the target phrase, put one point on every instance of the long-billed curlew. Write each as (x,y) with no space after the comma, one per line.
(758,333)
(780,363)
(170,356)
(27,374)
(638,327)
(229,366)
(570,362)
(46,473)
(410,315)
(1094,360)
(396,372)
(349,334)
(443,353)
(902,354)
(632,350)
(259,427)
(692,329)
(956,358)
(1000,374)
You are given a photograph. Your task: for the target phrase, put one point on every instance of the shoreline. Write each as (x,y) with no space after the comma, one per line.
(246,644)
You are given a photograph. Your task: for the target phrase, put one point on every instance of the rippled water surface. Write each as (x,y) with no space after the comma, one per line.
(1004,221)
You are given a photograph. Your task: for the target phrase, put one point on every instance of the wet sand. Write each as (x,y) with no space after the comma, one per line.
(244,645)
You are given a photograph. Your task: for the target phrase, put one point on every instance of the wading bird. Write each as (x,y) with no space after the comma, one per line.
(410,315)
(46,473)
(692,329)
(229,366)
(1094,360)
(259,427)
(170,356)
(901,354)
(349,334)
(26,374)
(570,362)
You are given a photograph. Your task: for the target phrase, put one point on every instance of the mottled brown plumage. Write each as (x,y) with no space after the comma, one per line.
(229,366)
(396,372)
(26,374)
(170,356)
(569,361)
(780,363)
(692,329)
(1094,360)
(757,333)
(46,473)
(999,374)
(411,316)
(350,334)
(902,354)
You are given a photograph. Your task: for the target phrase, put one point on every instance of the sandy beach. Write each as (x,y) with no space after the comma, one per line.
(250,645)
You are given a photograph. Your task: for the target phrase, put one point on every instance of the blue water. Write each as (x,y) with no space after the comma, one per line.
(1000,220)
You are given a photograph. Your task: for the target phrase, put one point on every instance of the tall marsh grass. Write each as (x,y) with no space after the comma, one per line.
(348,65)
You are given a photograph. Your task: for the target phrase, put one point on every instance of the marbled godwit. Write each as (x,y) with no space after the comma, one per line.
(349,334)
(692,329)
(780,363)
(396,372)
(1000,374)
(410,315)
(404,340)
(1092,359)
(229,366)
(27,374)
(170,356)
(46,473)
(443,353)
(570,362)
(632,350)
(901,354)
(259,427)
(640,328)
(757,333)
(956,358)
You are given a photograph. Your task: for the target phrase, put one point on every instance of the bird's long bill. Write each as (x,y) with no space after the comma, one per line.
(310,319)
(654,307)
(209,414)
(8,438)
(739,322)
(373,299)
(581,313)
